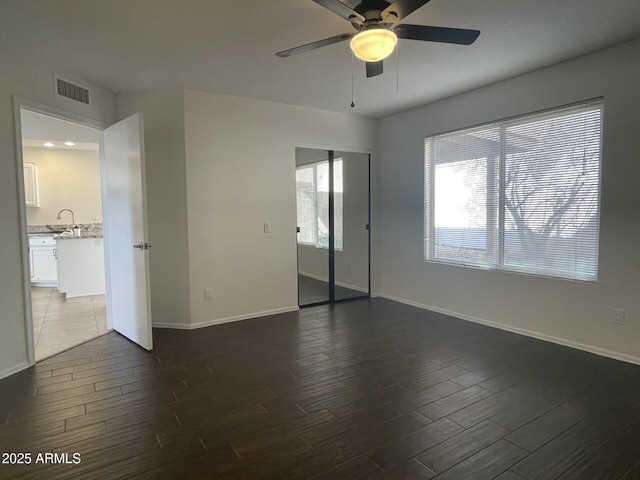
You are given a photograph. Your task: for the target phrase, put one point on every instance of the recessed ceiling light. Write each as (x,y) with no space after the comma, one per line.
(49,144)
(69,144)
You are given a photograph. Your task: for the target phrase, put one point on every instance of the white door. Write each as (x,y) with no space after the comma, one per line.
(126,241)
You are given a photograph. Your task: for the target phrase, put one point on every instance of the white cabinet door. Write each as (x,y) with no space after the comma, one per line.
(44,266)
(31,198)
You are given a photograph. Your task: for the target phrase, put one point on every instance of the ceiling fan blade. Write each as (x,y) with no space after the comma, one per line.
(341,10)
(426,33)
(374,68)
(313,45)
(401,8)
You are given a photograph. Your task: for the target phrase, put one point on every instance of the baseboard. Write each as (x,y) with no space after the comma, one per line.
(173,326)
(352,287)
(315,277)
(83,294)
(522,331)
(44,284)
(219,321)
(14,369)
(338,284)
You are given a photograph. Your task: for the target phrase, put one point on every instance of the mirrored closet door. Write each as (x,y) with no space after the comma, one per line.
(332,195)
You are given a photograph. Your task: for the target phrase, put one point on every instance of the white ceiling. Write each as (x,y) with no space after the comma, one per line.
(228,46)
(38,129)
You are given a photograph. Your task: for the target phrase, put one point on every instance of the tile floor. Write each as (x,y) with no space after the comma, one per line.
(60,323)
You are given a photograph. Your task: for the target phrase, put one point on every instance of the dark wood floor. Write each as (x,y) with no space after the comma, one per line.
(363,390)
(311,290)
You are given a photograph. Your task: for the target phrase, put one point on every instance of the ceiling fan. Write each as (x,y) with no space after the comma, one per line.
(377,30)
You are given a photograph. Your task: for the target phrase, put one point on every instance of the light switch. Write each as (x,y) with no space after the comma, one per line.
(267,227)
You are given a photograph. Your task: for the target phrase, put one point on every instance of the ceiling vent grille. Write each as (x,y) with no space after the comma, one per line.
(64,88)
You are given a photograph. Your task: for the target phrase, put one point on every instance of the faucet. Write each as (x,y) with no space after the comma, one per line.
(73,217)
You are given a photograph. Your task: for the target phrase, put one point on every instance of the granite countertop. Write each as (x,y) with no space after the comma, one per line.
(64,231)
(65,236)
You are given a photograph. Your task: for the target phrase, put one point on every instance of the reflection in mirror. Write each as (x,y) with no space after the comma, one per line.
(312,205)
(350,225)
(351,197)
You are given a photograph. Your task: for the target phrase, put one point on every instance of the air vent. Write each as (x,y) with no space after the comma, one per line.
(65,88)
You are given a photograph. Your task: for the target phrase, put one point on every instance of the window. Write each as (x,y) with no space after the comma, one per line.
(519,195)
(312,188)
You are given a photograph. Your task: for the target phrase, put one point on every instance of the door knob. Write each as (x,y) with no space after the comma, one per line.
(139,245)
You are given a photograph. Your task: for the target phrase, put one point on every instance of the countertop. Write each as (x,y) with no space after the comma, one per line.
(83,235)
(64,231)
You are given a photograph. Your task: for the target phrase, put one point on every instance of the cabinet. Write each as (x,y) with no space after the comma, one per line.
(31,197)
(42,256)
(80,266)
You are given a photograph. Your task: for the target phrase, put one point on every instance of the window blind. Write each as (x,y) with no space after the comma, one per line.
(520,194)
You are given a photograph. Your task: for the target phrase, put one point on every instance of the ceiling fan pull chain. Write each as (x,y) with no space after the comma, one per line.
(352,103)
(397,69)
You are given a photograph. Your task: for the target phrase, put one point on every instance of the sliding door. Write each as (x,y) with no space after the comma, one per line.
(312,197)
(332,194)
(351,200)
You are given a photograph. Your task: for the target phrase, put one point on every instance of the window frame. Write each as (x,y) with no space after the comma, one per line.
(500,163)
(311,166)
(314,166)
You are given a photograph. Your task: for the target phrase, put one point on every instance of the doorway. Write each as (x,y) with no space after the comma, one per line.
(117,280)
(62,180)
(333,217)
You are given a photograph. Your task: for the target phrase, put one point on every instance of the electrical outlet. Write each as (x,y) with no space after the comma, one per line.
(619,316)
(94,216)
(208,293)
(267,227)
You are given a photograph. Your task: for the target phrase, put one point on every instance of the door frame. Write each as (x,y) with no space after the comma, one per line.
(18,104)
(331,249)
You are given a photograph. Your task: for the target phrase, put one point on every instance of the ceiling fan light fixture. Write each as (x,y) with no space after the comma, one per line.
(374,44)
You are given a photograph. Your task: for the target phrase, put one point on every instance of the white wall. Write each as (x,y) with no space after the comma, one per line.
(313,262)
(34,82)
(66,179)
(165,170)
(574,313)
(240,157)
